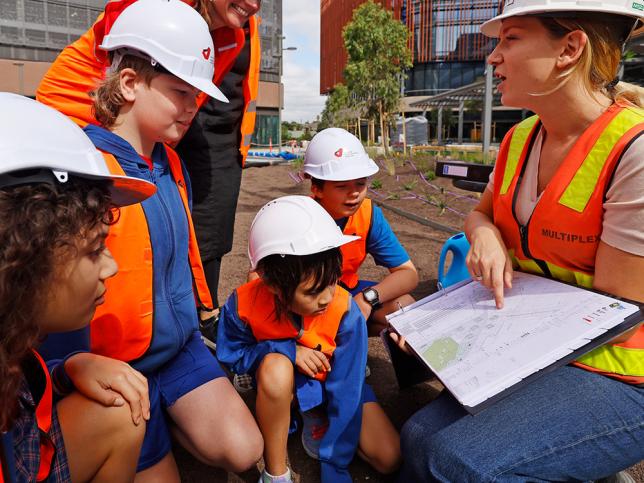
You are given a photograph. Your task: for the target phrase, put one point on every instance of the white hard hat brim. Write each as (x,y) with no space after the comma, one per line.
(205,86)
(200,83)
(348,173)
(340,241)
(124,190)
(492,27)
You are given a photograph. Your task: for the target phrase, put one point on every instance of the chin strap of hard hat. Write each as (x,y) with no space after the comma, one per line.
(33,176)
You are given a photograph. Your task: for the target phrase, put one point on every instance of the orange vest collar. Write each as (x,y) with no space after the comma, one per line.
(354,253)
(256,307)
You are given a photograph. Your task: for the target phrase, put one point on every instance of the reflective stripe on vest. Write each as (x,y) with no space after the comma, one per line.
(354,253)
(256,307)
(44,408)
(563,233)
(123,326)
(251,87)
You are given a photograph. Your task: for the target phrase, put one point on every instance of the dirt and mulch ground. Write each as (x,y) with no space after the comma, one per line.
(401,186)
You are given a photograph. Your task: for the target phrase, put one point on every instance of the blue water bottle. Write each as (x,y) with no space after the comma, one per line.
(459,246)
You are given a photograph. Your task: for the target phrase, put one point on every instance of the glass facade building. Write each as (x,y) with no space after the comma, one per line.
(448,49)
(270,31)
(36,30)
(267,123)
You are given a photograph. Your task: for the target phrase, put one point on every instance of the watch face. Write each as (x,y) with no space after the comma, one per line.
(370,295)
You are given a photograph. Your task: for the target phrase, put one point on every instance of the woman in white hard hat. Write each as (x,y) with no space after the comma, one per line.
(56,202)
(566,201)
(302,336)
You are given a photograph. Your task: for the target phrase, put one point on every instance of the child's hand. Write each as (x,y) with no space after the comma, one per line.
(110,382)
(310,361)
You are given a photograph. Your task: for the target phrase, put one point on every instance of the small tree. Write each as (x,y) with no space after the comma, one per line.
(335,107)
(376,44)
(286,132)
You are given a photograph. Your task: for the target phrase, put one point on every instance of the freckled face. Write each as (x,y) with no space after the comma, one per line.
(341,198)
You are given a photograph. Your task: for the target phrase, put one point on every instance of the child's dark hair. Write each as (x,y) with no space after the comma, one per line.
(285,273)
(318,183)
(41,224)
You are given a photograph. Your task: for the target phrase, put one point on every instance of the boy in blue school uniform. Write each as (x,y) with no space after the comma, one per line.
(339,168)
(302,336)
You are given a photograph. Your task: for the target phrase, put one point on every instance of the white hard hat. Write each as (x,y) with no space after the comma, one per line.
(628,8)
(34,136)
(173,34)
(337,155)
(293,225)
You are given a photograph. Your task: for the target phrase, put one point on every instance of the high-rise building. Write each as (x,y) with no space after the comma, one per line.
(32,33)
(448,49)
(35,30)
(448,52)
(270,100)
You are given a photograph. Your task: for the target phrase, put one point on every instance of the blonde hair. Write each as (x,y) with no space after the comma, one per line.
(108,98)
(599,62)
(201,6)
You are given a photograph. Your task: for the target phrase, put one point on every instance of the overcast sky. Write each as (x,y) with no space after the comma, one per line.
(301,75)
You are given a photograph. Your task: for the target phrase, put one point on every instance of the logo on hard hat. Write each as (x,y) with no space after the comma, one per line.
(206,53)
(338,153)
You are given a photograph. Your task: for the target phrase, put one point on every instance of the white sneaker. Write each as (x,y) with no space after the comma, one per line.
(268,478)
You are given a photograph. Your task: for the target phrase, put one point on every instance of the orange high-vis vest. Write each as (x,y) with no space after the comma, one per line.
(256,307)
(354,253)
(81,66)
(123,326)
(563,233)
(44,408)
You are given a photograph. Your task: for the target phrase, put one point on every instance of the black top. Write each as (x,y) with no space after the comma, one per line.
(210,151)
(214,136)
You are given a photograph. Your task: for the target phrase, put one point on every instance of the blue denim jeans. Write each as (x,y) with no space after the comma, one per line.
(570,425)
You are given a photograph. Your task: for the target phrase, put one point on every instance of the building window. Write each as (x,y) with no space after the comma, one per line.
(434,77)
(267,130)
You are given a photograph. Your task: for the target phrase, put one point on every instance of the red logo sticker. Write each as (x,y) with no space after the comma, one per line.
(206,53)
(338,153)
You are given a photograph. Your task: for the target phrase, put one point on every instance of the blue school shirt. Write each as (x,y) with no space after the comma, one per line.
(175,312)
(342,391)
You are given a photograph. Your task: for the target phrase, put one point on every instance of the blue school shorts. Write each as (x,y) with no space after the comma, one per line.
(192,367)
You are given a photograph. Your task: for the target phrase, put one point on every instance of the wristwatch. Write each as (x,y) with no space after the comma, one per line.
(370,294)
